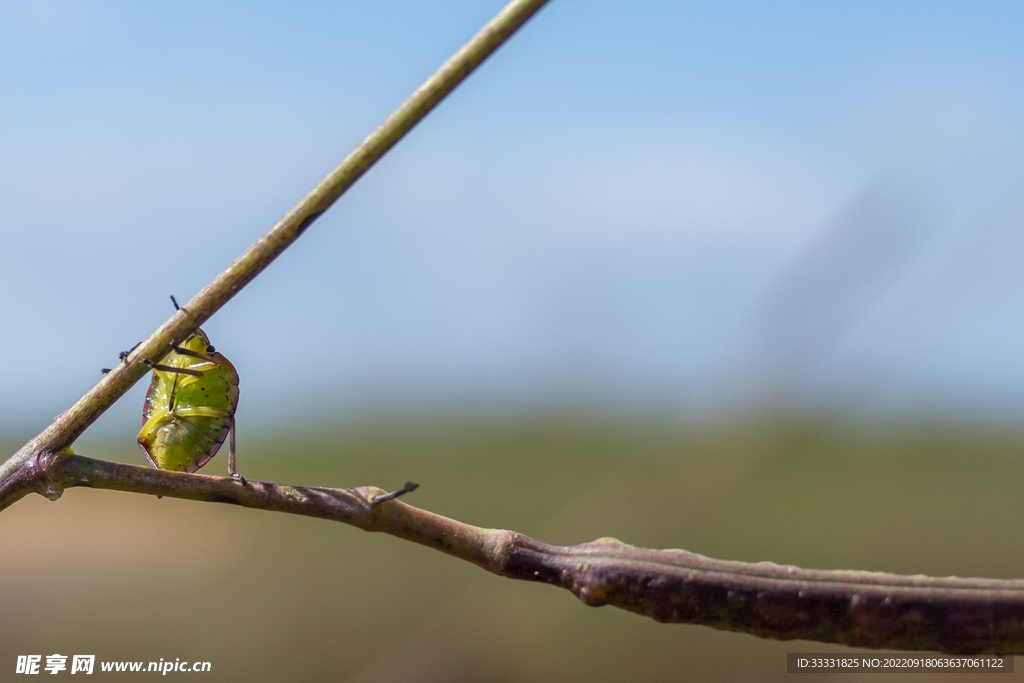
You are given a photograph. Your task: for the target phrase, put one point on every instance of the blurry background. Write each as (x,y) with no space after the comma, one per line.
(725,276)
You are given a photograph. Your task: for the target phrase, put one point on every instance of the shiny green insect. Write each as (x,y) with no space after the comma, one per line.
(190,407)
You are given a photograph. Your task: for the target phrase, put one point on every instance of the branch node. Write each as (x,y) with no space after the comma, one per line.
(42,467)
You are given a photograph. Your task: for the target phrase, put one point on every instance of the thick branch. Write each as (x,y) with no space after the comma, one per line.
(863,609)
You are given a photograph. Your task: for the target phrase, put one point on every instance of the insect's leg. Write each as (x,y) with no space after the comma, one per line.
(231,450)
(174,395)
(196,354)
(150,427)
(146,428)
(202,412)
(168,368)
(156,367)
(232,469)
(123,356)
(152,462)
(409,487)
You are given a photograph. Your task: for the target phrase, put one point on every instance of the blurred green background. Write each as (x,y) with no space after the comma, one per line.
(270,597)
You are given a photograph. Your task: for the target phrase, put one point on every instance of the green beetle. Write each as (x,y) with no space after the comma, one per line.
(190,407)
(190,410)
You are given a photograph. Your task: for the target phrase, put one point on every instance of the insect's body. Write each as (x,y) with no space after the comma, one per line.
(190,407)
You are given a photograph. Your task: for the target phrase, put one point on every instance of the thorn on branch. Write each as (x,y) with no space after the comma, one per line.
(409,487)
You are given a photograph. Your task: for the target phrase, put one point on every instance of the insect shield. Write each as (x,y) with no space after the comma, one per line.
(190,407)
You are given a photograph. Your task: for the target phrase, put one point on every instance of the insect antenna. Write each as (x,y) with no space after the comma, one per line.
(175,302)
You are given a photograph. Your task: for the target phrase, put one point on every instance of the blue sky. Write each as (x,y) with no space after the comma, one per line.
(642,206)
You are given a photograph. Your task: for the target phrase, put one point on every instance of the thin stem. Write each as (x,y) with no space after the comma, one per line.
(863,609)
(70,425)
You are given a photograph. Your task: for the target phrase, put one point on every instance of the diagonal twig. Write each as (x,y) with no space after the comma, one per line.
(19,473)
